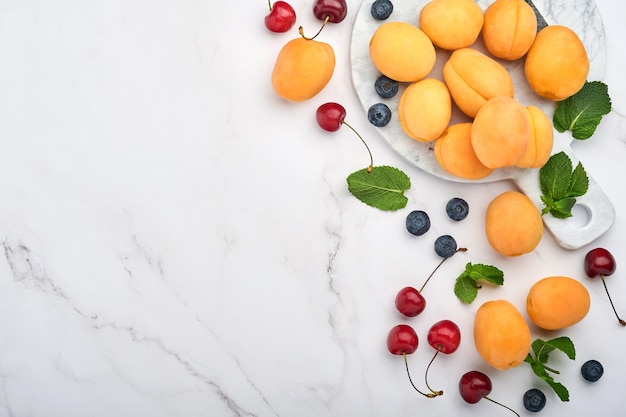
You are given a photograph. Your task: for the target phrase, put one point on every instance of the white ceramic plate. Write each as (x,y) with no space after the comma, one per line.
(580,15)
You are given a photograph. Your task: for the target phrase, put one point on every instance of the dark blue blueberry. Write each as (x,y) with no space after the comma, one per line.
(445,246)
(534,400)
(417,222)
(385,86)
(457,209)
(381,9)
(592,370)
(379,114)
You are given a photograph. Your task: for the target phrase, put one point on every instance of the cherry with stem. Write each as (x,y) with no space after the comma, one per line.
(475,385)
(402,340)
(445,337)
(599,262)
(410,301)
(331,116)
(281,17)
(333,11)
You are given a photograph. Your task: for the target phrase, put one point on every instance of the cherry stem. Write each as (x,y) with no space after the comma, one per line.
(406,365)
(301,30)
(269,2)
(371,166)
(426,374)
(622,322)
(440,263)
(502,405)
(554,371)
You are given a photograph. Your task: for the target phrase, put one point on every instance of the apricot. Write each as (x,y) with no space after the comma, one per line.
(451,24)
(513,224)
(500,132)
(509,28)
(473,78)
(302,69)
(557,63)
(557,302)
(455,154)
(402,51)
(541,140)
(501,335)
(425,109)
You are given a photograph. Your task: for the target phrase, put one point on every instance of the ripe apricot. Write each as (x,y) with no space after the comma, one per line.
(425,109)
(500,132)
(501,335)
(455,154)
(557,63)
(473,78)
(557,302)
(513,224)
(509,29)
(541,140)
(402,51)
(451,24)
(302,69)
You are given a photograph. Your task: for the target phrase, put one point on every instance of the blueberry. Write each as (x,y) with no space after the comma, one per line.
(381,9)
(417,222)
(592,370)
(445,246)
(457,209)
(379,114)
(385,86)
(534,400)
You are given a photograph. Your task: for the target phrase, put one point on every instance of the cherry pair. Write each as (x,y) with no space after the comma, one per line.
(282,16)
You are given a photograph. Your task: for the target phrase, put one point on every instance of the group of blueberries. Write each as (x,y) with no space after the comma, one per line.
(379,114)
(418,223)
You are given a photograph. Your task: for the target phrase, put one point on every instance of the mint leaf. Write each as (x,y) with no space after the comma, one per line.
(466,285)
(382,188)
(465,289)
(560,184)
(582,112)
(541,350)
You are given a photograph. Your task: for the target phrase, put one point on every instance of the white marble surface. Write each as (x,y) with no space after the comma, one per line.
(177,241)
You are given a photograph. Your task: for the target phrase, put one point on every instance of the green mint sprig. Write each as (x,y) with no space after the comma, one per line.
(466,286)
(541,350)
(582,112)
(382,187)
(560,185)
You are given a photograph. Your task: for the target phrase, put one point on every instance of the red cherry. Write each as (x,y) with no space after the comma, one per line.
(474,386)
(599,262)
(410,302)
(330,116)
(333,10)
(444,336)
(402,339)
(281,18)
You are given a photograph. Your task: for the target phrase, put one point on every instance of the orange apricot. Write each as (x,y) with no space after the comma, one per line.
(541,139)
(557,302)
(501,335)
(509,28)
(557,64)
(455,154)
(500,132)
(402,51)
(513,224)
(473,78)
(302,69)
(451,24)
(425,109)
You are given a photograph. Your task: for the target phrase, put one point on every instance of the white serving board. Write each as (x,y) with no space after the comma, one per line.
(580,15)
